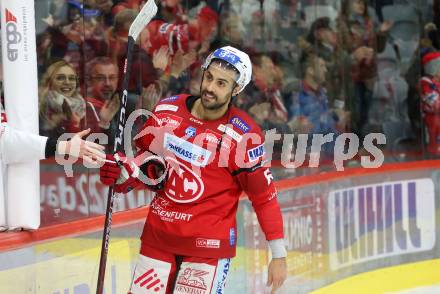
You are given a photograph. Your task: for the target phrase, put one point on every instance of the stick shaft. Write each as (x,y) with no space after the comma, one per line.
(118,144)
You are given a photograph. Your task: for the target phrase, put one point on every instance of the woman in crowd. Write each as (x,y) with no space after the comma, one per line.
(62,108)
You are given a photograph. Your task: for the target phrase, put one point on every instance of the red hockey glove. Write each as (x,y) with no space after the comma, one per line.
(119,171)
(127,174)
(154,172)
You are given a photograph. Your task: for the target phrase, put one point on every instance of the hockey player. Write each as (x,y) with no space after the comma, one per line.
(18,146)
(430,101)
(202,146)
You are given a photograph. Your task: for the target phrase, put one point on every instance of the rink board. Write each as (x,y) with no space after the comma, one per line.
(364,232)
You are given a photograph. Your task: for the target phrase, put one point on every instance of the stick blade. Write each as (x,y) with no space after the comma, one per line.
(142,19)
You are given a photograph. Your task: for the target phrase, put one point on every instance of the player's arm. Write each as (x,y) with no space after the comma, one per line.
(257,181)
(19,146)
(257,184)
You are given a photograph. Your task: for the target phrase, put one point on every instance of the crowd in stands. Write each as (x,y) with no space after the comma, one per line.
(318,66)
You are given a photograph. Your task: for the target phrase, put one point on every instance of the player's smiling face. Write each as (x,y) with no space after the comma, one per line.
(218,86)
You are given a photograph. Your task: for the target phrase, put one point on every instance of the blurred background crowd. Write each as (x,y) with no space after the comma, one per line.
(319,67)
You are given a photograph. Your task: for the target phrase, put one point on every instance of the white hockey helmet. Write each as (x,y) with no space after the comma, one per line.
(238,59)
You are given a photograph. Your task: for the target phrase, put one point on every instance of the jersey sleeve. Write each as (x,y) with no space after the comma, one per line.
(256,180)
(18,146)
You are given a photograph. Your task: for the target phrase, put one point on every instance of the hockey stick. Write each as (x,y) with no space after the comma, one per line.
(142,19)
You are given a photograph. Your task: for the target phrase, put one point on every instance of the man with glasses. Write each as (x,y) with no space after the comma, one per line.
(102,97)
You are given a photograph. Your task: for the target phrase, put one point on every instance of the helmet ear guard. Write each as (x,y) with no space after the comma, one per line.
(238,59)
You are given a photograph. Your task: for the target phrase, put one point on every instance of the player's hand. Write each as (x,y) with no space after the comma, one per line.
(90,152)
(119,171)
(109,109)
(127,173)
(277,273)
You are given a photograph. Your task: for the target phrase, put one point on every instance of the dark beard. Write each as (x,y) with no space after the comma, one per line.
(213,106)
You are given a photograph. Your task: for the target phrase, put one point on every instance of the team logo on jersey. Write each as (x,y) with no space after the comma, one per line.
(239,123)
(169,120)
(190,132)
(170,99)
(187,151)
(169,107)
(256,153)
(183,184)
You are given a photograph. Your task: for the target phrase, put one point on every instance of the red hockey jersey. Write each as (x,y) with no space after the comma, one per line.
(210,164)
(430,102)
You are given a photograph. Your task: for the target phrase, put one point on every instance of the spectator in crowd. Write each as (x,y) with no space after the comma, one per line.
(231,29)
(430,101)
(263,97)
(432,29)
(102,97)
(322,40)
(267,78)
(177,36)
(73,33)
(356,33)
(309,109)
(105,8)
(79,37)
(62,108)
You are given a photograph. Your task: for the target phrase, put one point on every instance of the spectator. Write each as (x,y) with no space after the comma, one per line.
(356,33)
(231,29)
(182,37)
(309,107)
(62,108)
(432,29)
(430,100)
(143,72)
(322,41)
(263,97)
(102,98)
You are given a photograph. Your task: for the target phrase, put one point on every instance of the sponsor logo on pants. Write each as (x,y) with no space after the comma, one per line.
(195,278)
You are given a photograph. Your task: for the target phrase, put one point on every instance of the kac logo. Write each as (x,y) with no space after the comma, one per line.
(13,37)
(190,132)
(183,185)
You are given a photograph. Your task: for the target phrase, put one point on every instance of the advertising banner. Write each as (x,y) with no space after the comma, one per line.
(70,198)
(381,220)
(304,234)
(20,84)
